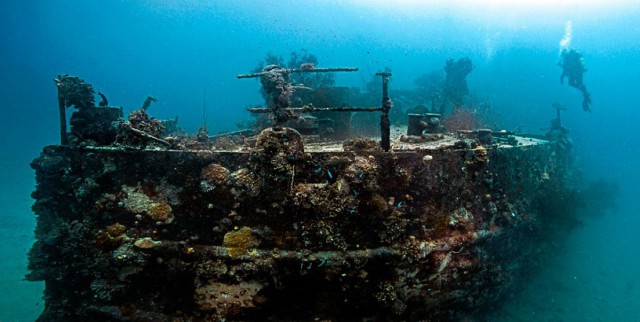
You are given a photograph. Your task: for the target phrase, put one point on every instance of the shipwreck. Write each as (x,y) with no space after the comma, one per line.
(296,221)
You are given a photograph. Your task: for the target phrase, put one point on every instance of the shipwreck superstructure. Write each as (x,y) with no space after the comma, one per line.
(137,224)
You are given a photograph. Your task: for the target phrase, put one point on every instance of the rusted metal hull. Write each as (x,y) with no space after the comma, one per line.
(279,233)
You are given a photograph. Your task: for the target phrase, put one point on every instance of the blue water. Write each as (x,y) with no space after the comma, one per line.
(182,51)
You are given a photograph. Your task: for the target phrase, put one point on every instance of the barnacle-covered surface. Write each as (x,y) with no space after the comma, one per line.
(287,230)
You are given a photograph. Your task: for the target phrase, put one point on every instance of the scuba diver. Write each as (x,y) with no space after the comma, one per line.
(573,68)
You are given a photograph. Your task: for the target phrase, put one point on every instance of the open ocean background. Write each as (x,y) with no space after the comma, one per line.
(180,51)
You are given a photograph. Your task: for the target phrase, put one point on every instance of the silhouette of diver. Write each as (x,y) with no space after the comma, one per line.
(573,68)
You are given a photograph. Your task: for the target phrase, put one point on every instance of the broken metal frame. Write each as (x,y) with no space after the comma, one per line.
(385,124)
(299,70)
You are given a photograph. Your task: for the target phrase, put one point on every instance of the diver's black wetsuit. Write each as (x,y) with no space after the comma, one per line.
(573,68)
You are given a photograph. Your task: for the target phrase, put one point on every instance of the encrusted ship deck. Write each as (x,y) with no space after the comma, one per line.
(285,230)
(139,222)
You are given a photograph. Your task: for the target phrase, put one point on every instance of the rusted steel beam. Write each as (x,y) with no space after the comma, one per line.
(299,70)
(385,124)
(318,109)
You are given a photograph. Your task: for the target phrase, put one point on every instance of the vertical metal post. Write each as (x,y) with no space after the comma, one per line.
(63,118)
(385,124)
(558,108)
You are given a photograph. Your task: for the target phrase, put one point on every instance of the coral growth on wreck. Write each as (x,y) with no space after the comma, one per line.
(139,119)
(227,300)
(239,241)
(75,91)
